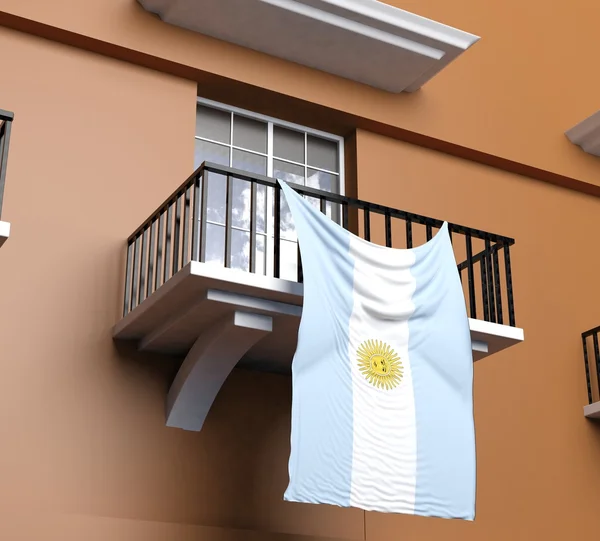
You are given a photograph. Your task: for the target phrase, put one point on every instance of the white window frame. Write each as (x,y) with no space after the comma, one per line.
(271,122)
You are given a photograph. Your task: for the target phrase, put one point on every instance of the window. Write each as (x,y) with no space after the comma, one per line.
(266,146)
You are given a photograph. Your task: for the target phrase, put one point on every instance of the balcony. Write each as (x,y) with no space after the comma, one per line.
(6,119)
(221,283)
(592,372)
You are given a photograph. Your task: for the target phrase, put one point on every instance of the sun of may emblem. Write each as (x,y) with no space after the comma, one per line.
(380,364)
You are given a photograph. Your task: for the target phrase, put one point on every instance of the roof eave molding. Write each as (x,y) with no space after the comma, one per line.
(586,134)
(362,40)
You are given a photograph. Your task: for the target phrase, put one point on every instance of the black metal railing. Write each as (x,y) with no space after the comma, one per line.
(592,363)
(6,119)
(176,233)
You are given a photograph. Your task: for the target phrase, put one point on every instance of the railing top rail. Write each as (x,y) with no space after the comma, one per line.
(591,332)
(6,115)
(329,196)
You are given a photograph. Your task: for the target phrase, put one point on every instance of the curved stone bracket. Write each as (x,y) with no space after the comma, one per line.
(209,363)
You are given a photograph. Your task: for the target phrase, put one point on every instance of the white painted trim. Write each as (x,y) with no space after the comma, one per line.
(391,15)
(496,329)
(357,28)
(4,232)
(258,293)
(399,51)
(247,279)
(586,134)
(208,364)
(592,411)
(479,346)
(254,303)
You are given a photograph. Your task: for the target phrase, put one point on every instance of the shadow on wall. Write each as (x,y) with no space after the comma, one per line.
(234,472)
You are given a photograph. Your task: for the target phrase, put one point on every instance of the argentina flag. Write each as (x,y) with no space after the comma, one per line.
(382,377)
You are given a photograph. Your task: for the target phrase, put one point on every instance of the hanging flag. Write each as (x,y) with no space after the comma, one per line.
(382,377)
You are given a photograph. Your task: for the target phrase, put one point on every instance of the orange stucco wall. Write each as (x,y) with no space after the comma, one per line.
(512,95)
(538,470)
(96,145)
(98,142)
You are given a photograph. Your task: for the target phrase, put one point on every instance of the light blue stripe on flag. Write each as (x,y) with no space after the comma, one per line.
(320,464)
(442,380)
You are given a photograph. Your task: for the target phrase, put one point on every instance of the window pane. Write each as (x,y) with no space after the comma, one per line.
(249,162)
(213,124)
(217,189)
(334,211)
(260,254)
(210,152)
(240,205)
(240,250)
(249,133)
(288,172)
(328,183)
(288,144)
(261,208)
(323,181)
(322,153)
(215,244)
(289,260)
(287,228)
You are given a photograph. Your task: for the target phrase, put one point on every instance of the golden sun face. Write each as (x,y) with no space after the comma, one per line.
(380,364)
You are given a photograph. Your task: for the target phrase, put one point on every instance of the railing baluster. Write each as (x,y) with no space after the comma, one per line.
(496,265)
(409,239)
(204,217)
(4,144)
(509,287)
(128,279)
(597,359)
(176,234)
(228,220)
(150,260)
(428,231)
(253,220)
(136,270)
(484,288)
(197,205)
(300,272)
(588,378)
(472,304)
(186,228)
(367,223)
(168,242)
(277,232)
(160,251)
(323,205)
(345,215)
(490,283)
(143,264)
(388,229)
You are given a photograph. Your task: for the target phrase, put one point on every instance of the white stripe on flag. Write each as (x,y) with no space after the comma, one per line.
(384,459)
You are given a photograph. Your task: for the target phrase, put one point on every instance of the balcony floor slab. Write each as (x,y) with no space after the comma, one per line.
(172,318)
(4,232)
(592,411)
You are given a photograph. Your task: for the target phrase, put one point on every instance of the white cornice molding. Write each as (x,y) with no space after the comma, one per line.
(362,40)
(586,134)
